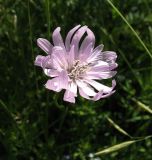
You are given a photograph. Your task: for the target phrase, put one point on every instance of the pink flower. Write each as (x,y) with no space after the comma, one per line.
(77,65)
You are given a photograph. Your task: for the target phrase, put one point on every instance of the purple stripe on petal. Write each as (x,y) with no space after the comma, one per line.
(69,36)
(94,57)
(45,45)
(59,54)
(90,38)
(56,63)
(47,62)
(76,39)
(100,68)
(71,57)
(63,80)
(103,67)
(101,75)
(108,56)
(85,52)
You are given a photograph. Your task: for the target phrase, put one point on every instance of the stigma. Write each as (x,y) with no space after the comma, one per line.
(78,69)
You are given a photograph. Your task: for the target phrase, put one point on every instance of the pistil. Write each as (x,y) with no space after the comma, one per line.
(78,69)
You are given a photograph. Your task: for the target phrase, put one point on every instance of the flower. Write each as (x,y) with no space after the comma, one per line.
(77,65)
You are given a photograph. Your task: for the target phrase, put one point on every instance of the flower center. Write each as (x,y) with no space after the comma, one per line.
(78,69)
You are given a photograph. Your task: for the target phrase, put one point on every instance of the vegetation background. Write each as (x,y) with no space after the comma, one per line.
(36,124)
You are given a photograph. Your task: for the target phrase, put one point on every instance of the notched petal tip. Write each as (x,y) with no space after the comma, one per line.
(45,45)
(38,61)
(112,66)
(113,83)
(57,38)
(57,30)
(109,56)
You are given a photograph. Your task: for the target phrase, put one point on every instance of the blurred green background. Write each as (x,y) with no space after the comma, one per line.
(36,124)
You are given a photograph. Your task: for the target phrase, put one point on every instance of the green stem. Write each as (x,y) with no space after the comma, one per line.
(31,43)
(62,121)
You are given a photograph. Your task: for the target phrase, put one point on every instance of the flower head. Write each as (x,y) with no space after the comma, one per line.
(76,65)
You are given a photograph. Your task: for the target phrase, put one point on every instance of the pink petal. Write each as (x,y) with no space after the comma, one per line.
(83,94)
(59,55)
(100,64)
(101,94)
(113,66)
(53,84)
(76,39)
(57,38)
(51,72)
(72,87)
(58,83)
(98,96)
(98,86)
(69,96)
(87,89)
(108,56)
(71,57)
(45,45)
(103,66)
(63,80)
(100,68)
(56,64)
(47,62)
(95,54)
(100,75)
(98,49)
(69,36)
(85,53)
(38,61)
(90,38)
(43,61)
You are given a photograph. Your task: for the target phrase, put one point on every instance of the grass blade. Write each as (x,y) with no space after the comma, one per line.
(143,106)
(47,4)
(4,107)
(31,44)
(120,146)
(115,147)
(131,28)
(118,127)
